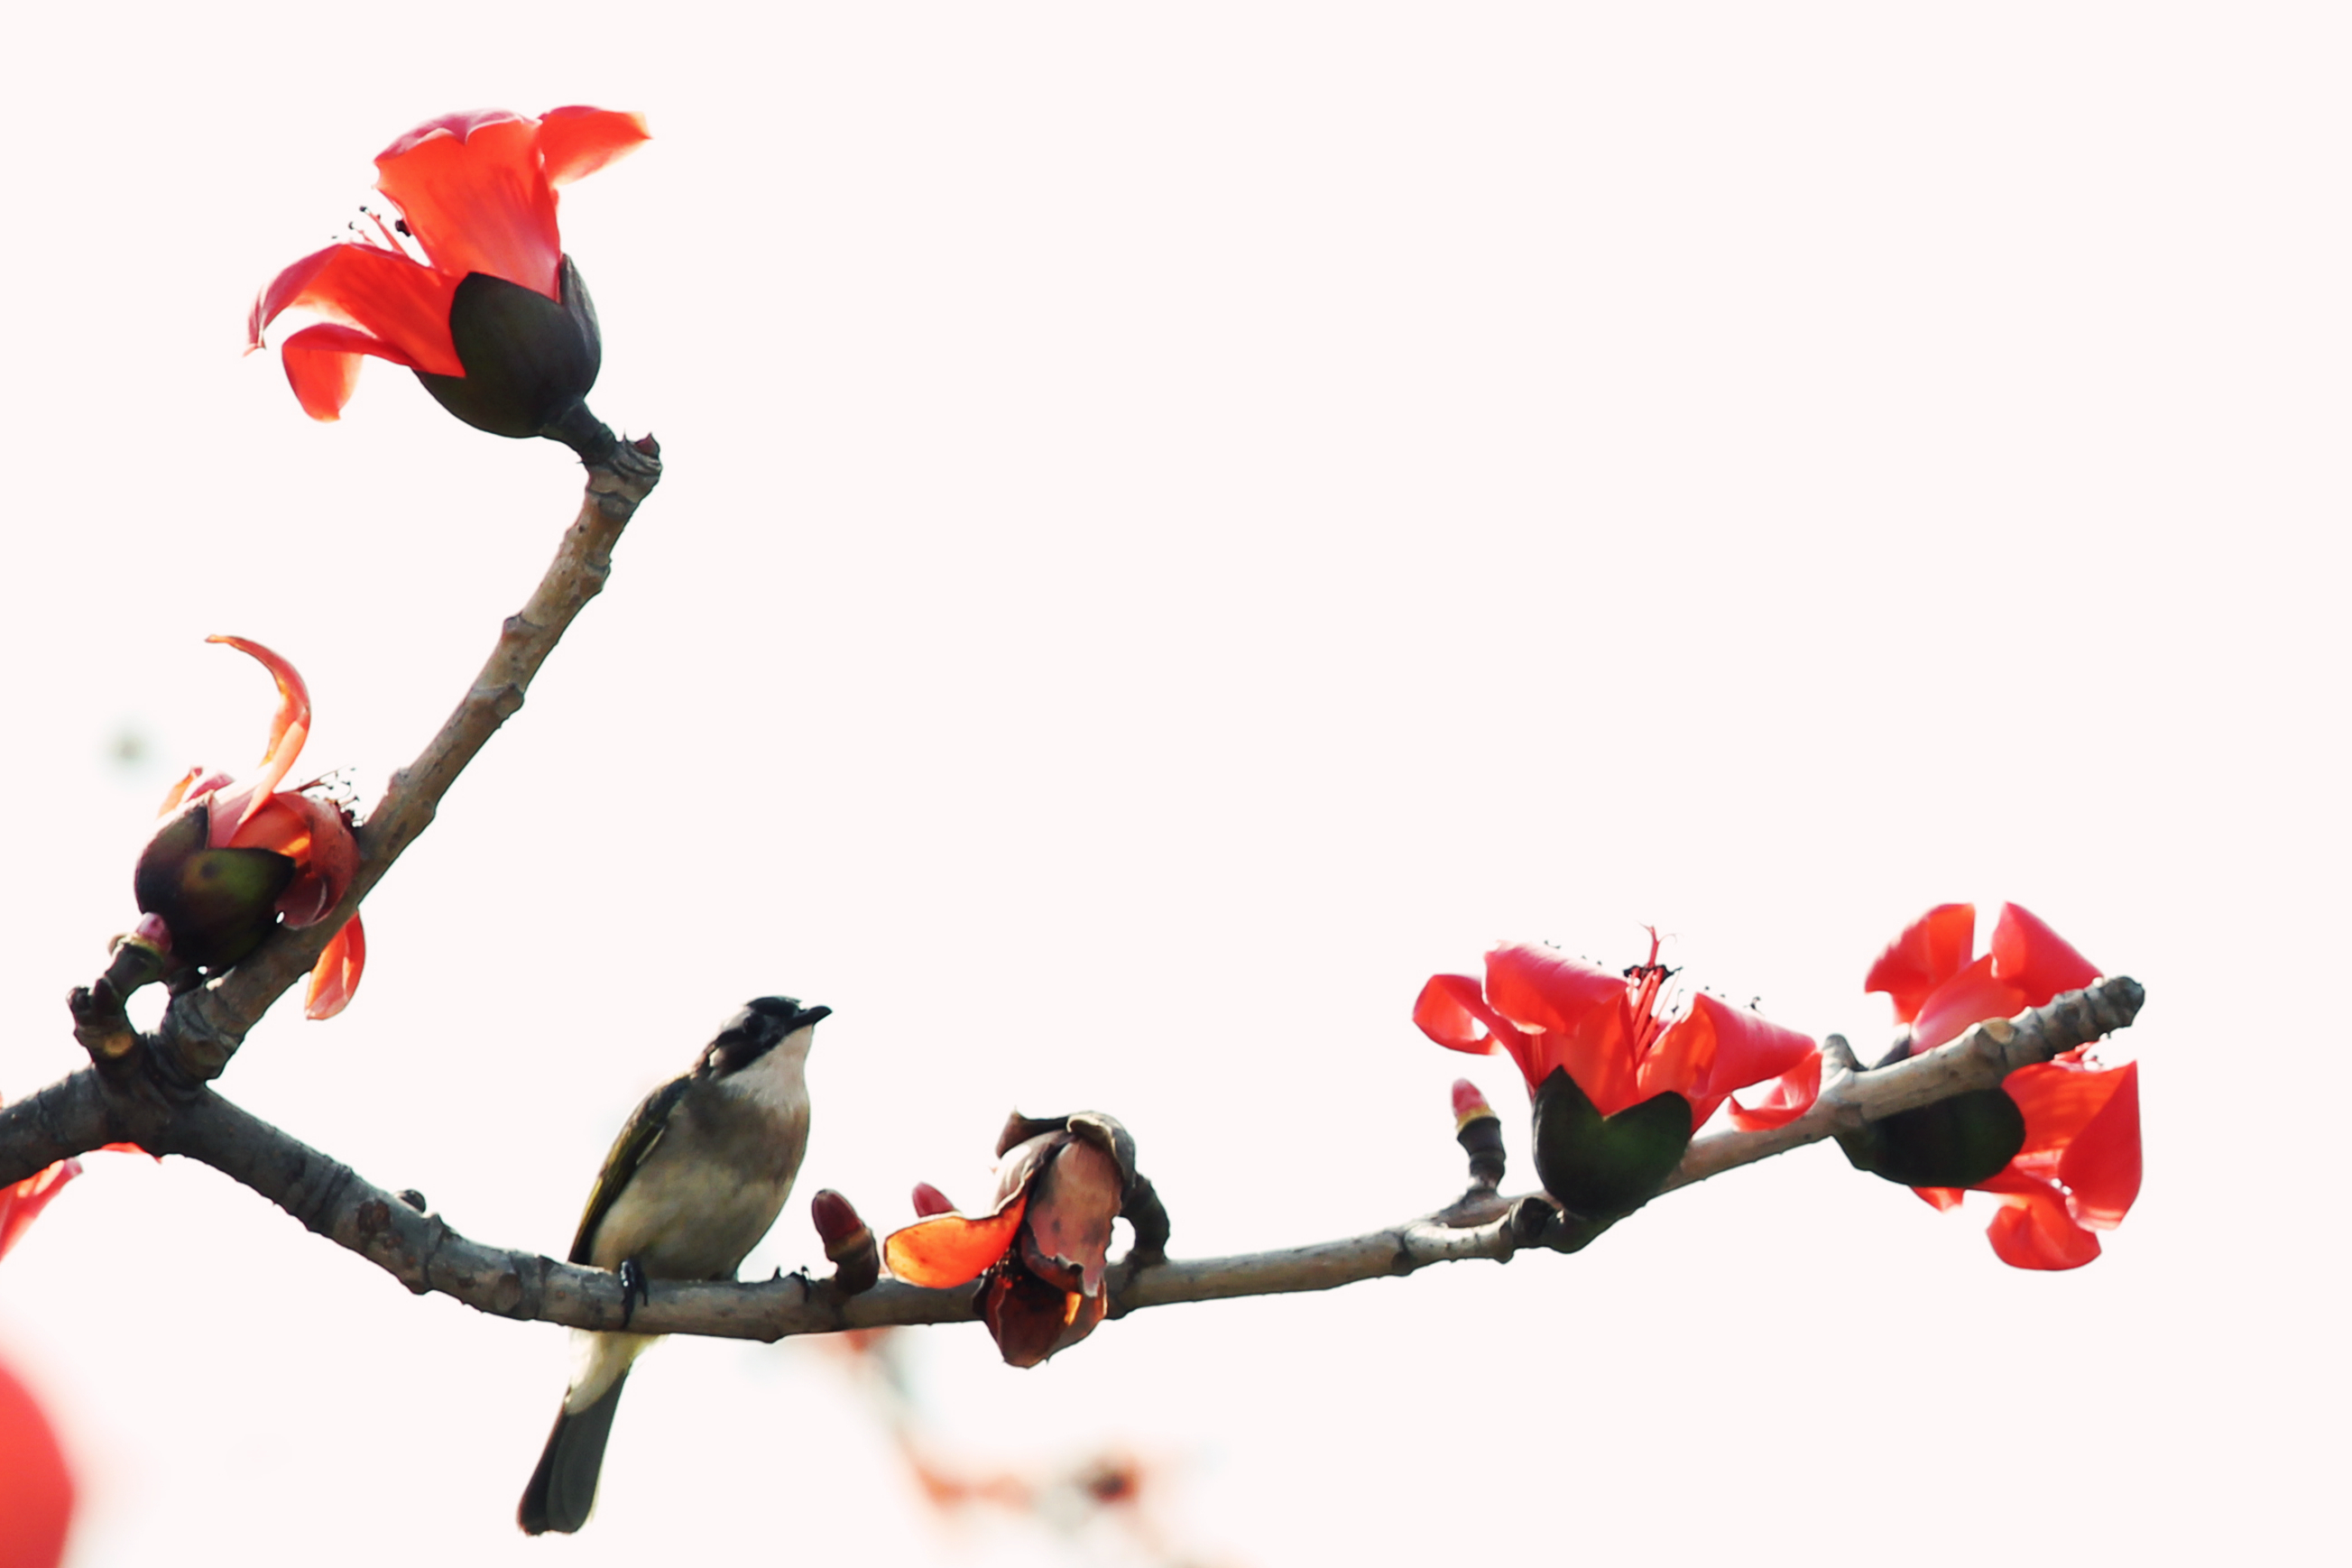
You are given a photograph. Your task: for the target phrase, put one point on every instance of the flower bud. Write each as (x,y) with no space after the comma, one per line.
(1480,1132)
(848,1244)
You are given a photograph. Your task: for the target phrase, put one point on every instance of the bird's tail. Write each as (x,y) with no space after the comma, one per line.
(563,1488)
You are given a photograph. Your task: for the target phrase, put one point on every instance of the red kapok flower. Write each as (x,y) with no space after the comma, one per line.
(2074,1125)
(468,285)
(36,1490)
(1045,1244)
(1618,1089)
(233,858)
(1548,1011)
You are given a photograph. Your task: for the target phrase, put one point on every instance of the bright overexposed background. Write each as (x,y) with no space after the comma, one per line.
(1179,526)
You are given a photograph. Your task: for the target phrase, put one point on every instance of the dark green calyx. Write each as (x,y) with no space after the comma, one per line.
(217,903)
(1954,1143)
(1606,1167)
(529,362)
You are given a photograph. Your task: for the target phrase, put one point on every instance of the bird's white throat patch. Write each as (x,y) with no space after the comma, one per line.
(778,1079)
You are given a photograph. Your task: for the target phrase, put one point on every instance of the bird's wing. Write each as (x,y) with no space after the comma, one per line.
(638,1135)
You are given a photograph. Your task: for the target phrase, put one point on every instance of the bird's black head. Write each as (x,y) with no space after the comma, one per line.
(755,1030)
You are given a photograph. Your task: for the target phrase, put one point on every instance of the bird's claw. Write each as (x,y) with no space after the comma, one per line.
(635,1288)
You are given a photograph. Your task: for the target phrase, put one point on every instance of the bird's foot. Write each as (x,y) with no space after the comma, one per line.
(635,1288)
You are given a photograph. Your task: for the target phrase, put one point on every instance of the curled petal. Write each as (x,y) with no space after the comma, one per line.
(948,1249)
(288,727)
(2034,1230)
(1968,997)
(21,1202)
(1784,1100)
(322,366)
(399,302)
(336,976)
(476,198)
(2034,960)
(575,141)
(1453,1011)
(1930,950)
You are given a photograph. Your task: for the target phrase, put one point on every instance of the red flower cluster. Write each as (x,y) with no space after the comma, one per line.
(233,858)
(2078,1170)
(1548,1011)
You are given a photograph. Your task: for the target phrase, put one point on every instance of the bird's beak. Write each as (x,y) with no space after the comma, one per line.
(807,1015)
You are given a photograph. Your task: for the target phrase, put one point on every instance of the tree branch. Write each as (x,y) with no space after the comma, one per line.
(401,1235)
(138,1082)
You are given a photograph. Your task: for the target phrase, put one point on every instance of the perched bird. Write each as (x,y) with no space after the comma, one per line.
(697,1176)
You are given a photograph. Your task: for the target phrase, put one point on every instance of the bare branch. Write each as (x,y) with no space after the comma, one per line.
(419,1248)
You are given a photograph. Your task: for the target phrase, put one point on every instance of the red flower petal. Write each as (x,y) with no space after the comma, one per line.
(2101,1168)
(2032,1230)
(336,976)
(1785,1099)
(1943,1200)
(21,1202)
(1452,1010)
(1729,1047)
(2035,960)
(1931,950)
(322,366)
(575,141)
(401,302)
(476,198)
(1968,997)
(1542,988)
(34,1481)
(948,1249)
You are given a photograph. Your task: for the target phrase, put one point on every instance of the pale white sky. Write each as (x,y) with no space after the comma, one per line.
(1180,526)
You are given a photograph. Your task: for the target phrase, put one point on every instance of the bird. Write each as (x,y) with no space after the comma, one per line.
(699,1171)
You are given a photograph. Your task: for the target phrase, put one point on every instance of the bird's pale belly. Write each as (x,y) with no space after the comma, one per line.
(683,1220)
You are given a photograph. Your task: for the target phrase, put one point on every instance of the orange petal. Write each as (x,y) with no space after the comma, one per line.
(1930,950)
(948,1249)
(575,141)
(288,727)
(1943,1200)
(336,976)
(179,792)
